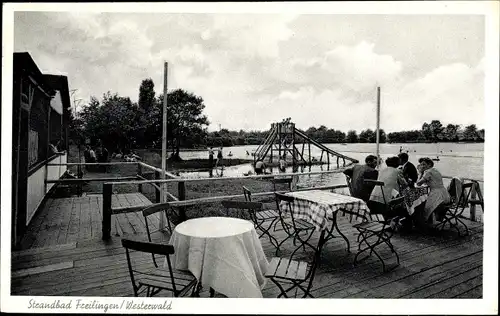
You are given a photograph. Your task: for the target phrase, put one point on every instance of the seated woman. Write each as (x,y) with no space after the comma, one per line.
(392,178)
(438,195)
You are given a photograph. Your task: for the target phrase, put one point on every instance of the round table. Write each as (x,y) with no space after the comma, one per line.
(222,253)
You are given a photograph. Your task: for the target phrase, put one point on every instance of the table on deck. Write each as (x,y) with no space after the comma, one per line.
(320,208)
(223,253)
(414,197)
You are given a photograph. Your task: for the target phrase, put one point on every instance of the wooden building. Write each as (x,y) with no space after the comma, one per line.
(41,109)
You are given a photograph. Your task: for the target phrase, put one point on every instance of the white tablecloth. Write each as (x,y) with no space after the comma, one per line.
(222,253)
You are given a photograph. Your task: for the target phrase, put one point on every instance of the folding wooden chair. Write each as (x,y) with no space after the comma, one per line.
(368,229)
(295,228)
(390,205)
(262,219)
(150,211)
(266,215)
(151,281)
(297,274)
(455,210)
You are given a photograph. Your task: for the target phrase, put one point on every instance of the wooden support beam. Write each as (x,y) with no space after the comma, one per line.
(181,187)
(139,174)
(158,189)
(472,206)
(107,191)
(81,180)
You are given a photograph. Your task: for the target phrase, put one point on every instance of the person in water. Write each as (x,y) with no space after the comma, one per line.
(259,167)
(282,164)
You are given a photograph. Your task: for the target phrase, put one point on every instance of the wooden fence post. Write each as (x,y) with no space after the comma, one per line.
(139,173)
(472,206)
(157,191)
(181,187)
(80,176)
(107,191)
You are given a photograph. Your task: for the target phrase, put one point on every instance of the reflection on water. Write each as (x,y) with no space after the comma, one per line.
(247,169)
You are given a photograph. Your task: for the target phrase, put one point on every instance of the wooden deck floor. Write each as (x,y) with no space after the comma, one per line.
(431,266)
(66,220)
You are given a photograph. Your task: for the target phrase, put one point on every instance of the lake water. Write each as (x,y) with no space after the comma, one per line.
(456,159)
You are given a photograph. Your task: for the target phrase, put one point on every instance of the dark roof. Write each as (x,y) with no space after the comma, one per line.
(23,63)
(58,82)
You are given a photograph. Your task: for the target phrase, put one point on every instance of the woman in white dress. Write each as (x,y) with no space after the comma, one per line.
(438,195)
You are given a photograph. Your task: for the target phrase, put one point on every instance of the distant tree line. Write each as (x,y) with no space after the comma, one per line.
(121,125)
(430,132)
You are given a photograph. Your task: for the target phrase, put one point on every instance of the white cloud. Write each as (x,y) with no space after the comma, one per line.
(254,35)
(254,69)
(359,67)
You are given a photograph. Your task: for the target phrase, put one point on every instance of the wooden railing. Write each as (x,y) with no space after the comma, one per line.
(180,201)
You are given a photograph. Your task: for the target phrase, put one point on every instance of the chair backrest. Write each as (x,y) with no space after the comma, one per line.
(250,207)
(463,200)
(349,184)
(377,183)
(247,193)
(151,210)
(287,180)
(287,200)
(151,248)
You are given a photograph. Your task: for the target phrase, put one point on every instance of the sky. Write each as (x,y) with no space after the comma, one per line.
(256,69)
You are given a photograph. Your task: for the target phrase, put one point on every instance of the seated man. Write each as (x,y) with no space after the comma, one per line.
(409,171)
(358,174)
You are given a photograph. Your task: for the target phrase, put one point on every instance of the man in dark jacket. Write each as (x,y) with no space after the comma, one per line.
(358,173)
(409,170)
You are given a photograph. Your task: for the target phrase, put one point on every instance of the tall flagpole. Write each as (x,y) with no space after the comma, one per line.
(163,196)
(378,125)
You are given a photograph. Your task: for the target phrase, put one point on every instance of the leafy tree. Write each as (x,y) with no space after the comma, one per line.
(436,129)
(470,133)
(426,132)
(147,94)
(451,132)
(352,136)
(147,114)
(184,118)
(113,123)
(481,134)
(367,136)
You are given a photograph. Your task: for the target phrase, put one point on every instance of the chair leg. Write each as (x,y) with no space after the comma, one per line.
(266,232)
(343,236)
(303,243)
(212,292)
(371,247)
(282,291)
(281,243)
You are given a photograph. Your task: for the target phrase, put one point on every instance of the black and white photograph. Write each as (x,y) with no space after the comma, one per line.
(169,157)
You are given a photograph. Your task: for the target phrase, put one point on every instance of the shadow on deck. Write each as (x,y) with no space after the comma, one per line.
(68,258)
